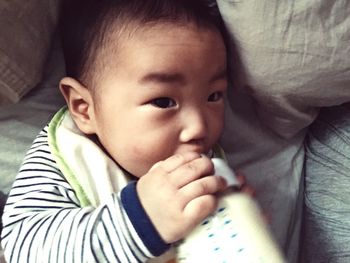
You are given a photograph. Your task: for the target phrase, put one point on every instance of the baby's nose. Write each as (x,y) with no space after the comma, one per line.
(194,127)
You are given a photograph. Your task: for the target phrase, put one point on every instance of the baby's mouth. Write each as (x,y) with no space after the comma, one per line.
(209,154)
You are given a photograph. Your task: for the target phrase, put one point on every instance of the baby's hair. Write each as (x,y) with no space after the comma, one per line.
(85,26)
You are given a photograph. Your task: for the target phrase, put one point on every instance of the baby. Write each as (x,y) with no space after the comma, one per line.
(122,172)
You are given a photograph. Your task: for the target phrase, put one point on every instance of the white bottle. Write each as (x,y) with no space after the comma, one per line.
(235,233)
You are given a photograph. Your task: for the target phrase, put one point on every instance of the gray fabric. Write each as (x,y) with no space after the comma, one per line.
(295,54)
(3,199)
(326,232)
(21,122)
(26,30)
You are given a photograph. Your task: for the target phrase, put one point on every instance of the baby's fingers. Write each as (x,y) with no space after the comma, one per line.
(198,196)
(175,161)
(198,209)
(191,172)
(207,185)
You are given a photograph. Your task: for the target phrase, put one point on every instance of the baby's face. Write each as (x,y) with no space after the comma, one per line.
(164,95)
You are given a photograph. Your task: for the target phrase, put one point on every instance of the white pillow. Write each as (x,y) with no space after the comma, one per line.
(296,57)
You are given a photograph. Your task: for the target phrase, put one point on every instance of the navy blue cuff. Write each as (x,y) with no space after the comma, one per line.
(141,221)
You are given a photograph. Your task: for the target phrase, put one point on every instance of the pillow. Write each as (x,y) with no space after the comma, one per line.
(295,56)
(26,30)
(21,122)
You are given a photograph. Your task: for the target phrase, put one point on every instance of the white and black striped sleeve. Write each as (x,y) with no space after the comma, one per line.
(43,220)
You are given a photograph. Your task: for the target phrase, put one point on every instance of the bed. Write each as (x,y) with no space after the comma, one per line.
(288,60)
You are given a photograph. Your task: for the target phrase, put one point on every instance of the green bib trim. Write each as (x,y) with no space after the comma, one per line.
(68,174)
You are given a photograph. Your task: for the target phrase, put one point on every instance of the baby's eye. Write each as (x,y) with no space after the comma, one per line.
(163,102)
(215,96)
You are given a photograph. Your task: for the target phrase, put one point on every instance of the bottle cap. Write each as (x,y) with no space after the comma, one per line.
(222,169)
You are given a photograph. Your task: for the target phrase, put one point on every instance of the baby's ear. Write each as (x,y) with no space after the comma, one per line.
(80,104)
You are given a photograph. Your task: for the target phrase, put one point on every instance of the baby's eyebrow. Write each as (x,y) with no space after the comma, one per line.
(221,75)
(163,77)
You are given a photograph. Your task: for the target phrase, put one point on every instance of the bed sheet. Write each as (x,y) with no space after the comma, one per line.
(21,122)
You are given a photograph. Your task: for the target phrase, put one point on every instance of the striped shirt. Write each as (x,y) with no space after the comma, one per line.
(44,222)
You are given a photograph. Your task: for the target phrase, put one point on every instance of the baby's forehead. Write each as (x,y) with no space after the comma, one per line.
(163,34)
(120,43)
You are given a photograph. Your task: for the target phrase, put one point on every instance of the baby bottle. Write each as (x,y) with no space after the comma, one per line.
(234,233)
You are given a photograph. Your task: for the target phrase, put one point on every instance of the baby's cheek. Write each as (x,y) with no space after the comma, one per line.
(146,155)
(141,159)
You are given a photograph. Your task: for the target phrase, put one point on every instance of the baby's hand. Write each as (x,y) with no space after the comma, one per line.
(177,194)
